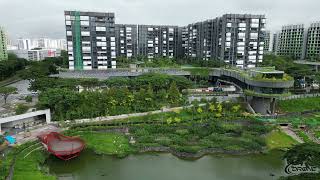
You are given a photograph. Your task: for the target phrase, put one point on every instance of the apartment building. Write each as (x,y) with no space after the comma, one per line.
(36,55)
(267,42)
(94,40)
(291,41)
(237,39)
(91,40)
(312,51)
(126,40)
(157,41)
(3,45)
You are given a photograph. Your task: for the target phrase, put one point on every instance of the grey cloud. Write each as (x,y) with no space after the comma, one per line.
(39,18)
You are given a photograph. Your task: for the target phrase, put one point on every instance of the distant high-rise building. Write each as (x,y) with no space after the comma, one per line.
(291,41)
(312,51)
(157,41)
(3,45)
(47,43)
(126,40)
(275,40)
(91,40)
(267,41)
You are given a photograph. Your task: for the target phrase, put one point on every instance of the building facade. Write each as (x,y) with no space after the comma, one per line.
(126,40)
(36,55)
(236,39)
(157,41)
(94,40)
(312,51)
(291,41)
(267,42)
(91,40)
(3,45)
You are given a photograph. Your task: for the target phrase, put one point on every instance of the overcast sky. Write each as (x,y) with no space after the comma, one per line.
(44,18)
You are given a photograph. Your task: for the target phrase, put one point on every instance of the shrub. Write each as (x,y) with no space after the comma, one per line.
(28,99)
(21,109)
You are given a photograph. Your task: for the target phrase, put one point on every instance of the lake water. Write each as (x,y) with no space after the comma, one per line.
(168,167)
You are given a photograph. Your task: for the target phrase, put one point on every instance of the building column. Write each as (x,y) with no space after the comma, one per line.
(48,116)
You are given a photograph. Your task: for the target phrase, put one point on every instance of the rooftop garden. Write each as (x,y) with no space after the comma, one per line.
(267,74)
(256,94)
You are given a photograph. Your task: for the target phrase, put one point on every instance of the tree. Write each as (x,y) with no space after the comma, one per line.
(307,153)
(174,94)
(6,91)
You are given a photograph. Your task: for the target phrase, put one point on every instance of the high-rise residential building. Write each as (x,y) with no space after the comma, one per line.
(36,55)
(275,40)
(291,41)
(126,40)
(27,44)
(90,40)
(94,40)
(312,51)
(267,41)
(47,43)
(236,39)
(3,45)
(157,41)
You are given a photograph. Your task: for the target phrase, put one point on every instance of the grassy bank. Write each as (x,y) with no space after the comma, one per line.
(299,105)
(105,143)
(279,140)
(27,163)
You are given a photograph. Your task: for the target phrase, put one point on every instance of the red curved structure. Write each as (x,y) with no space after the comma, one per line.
(64,147)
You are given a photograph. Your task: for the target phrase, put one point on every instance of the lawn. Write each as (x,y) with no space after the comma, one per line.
(279,140)
(28,168)
(106,143)
(299,105)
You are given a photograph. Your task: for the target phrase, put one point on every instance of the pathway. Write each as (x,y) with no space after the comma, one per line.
(291,133)
(32,134)
(125,116)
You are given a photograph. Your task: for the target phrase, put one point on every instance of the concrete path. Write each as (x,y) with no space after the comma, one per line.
(24,137)
(291,133)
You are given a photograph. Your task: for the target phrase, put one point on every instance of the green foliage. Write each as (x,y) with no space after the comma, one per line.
(299,105)
(28,99)
(156,81)
(21,109)
(308,153)
(40,69)
(304,136)
(279,140)
(11,67)
(67,104)
(287,64)
(6,91)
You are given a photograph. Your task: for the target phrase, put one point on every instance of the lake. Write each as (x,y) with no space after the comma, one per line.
(168,167)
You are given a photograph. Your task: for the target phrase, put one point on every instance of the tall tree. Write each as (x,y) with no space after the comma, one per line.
(6,91)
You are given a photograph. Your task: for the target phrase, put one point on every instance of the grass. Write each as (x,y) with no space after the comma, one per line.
(279,140)
(106,143)
(29,168)
(303,136)
(25,167)
(299,105)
